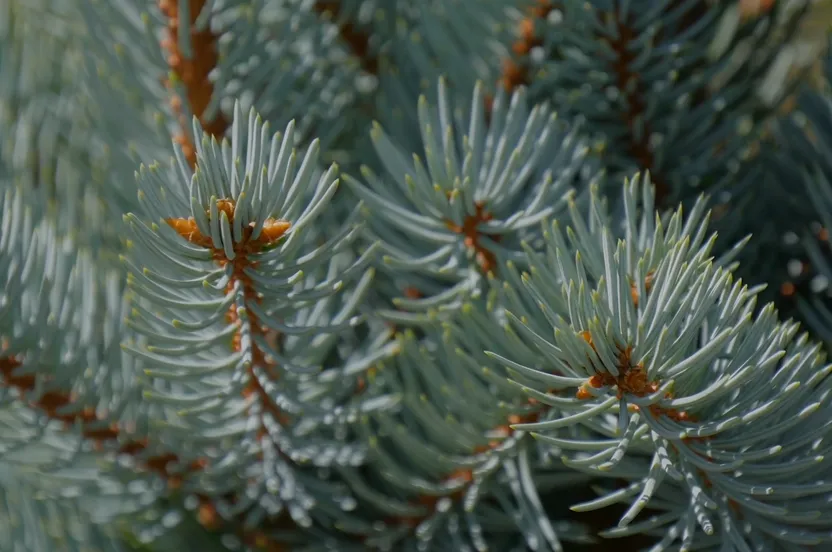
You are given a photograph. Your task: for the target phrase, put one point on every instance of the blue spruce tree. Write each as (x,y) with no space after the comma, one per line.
(448,275)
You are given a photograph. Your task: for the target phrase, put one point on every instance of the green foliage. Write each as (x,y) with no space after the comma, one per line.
(355,275)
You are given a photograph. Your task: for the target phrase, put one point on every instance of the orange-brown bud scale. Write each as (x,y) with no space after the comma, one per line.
(469,229)
(631,379)
(648,284)
(208,516)
(755,8)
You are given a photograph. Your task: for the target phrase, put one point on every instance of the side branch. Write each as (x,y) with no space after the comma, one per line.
(515,71)
(167,465)
(631,86)
(193,72)
(53,402)
(358,41)
(272,231)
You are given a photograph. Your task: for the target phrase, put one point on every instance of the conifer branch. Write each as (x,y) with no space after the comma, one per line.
(54,404)
(473,223)
(357,40)
(193,71)
(633,88)
(166,465)
(639,140)
(500,435)
(535,356)
(632,379)
(272,231)
(258,273)
(515,71)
